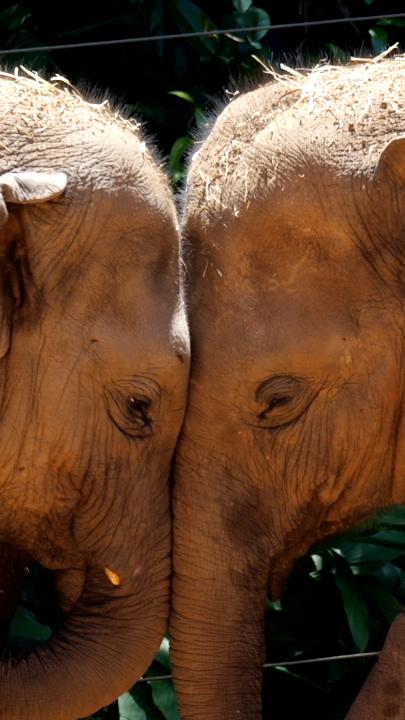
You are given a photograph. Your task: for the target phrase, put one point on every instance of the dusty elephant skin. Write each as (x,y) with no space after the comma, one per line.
(383,694)
(93,377)
(294,220)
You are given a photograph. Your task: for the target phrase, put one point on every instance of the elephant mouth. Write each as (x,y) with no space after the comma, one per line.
(69,585)
(64,569)
(35,599)
(66,574)
(47,594)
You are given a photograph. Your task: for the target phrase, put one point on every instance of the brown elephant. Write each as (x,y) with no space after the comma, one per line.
(93,380)
(383,694)
(295,224)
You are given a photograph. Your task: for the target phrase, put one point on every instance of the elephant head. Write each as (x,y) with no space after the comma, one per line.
(93,377)
(294,221)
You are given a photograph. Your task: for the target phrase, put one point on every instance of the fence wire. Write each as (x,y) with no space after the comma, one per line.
(287,663)
(198,34)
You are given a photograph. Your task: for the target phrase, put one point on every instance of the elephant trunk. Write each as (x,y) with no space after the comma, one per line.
(383,693)
(106,642)
(219,592)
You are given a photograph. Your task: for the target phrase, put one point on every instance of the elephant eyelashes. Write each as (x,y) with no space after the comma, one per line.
(130,413)
(283,399)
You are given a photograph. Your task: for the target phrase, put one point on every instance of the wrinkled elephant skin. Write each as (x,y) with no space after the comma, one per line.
(294,430)
(383,694)
(93,379)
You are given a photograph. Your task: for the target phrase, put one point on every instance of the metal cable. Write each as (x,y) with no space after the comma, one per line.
(201,33)
(287,663)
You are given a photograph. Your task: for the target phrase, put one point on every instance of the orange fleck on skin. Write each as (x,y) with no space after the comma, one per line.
(112,576)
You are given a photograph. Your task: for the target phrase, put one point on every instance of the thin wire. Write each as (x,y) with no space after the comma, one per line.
(287,663)
(323,659)
(201,33)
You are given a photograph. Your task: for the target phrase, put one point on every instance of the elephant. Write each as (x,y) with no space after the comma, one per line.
(293,223)
(94,356)
(383,693)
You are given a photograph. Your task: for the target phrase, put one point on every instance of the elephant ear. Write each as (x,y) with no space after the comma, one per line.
(391,163)
(21,188)
(29,188)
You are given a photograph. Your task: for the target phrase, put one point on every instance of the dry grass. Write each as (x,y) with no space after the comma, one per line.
(339,115)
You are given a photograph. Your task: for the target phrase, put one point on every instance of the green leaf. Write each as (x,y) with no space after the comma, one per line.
(336,53)
(365,552)
(138,704)
(25,625)
(162,656)
(14,17)
(190,17)
(389,576)
(241,5)
(195,17)
(165,699)
(390,538)
(354,605)
(394,515)
(254,17)
(129,708)
(382,600)
(156,14)
(183,95)
(379,39)
(395,22)
(176,163)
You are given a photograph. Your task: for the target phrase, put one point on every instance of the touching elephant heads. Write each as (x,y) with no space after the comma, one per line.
(93,379)
(294,222)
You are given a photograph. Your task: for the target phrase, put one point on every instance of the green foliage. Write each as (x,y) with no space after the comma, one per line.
(341,598)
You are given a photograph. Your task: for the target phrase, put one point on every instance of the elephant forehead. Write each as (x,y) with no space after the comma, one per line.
(50,126)
(340,116)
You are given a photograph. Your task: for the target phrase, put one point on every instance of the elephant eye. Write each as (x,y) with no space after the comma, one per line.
(130,413)
(275,402)
(283,399)
(137,410)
